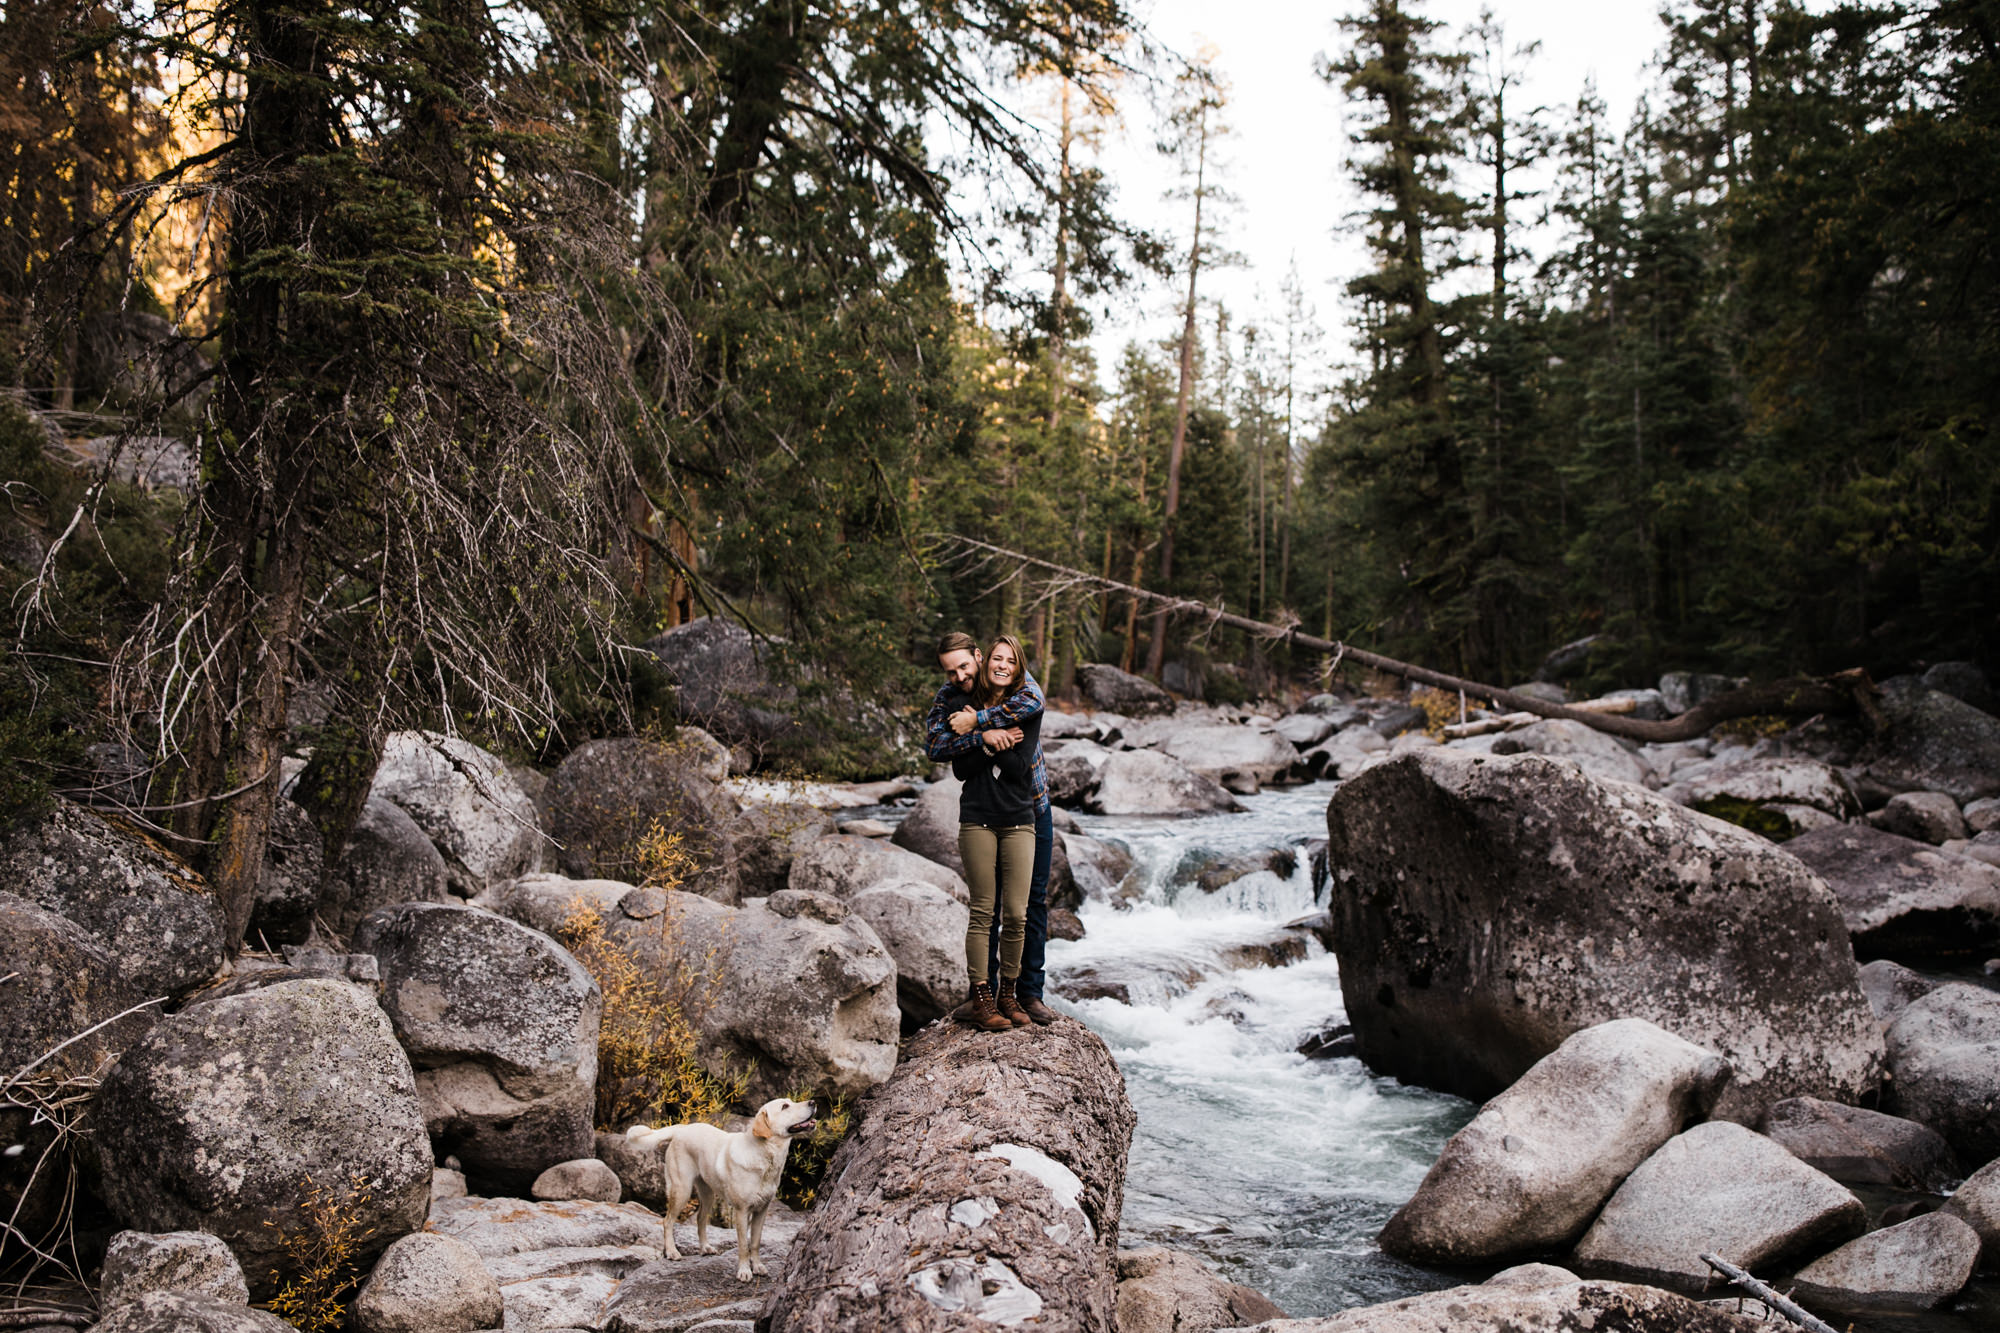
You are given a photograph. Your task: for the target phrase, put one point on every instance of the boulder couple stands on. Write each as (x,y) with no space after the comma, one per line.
(986,721)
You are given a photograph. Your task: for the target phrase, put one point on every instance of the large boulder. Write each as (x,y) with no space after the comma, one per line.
(723,681)
(1106,687)
(1914,1265)
(1944,1055)
(1170,1291)
(555,904)
(1098,868)
(1902,898)
(501,1025)
(916,907)
(63,1006)
(288,887)
(229,1116)
(1595,752)
(427,1283)
(931,828)
(923,928)
(1926,816)
(467,804)
(1857,1146)
(1146,782)
(1766,781)
(1305,730)
(767,838)
(1241,758)
(192,1262)
(606,796)
(153,914)
(805,991)
(388,860)
(844,865)
(1347,753)
(1540,1159)
(1074,768)
(1964,681)
(1717,1188)
(1935,742)
(1538,1297)
(1486,908)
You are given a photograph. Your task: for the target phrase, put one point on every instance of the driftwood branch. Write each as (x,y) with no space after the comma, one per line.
(1849,691)
(1765,1293)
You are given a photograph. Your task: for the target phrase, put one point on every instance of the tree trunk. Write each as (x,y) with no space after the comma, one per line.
(957,1196)
(1844,692)
(257,474)
(1156,655)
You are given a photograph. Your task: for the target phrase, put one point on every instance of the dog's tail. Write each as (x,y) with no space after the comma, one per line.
(646,1138)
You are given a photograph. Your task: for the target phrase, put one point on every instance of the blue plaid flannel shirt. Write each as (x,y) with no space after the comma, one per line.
(941,743)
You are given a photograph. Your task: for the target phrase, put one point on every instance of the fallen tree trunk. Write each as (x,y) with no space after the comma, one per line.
(983,1182)
(1800,696)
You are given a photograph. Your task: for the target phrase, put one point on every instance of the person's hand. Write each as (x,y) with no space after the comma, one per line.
(1002,739)
(963,720)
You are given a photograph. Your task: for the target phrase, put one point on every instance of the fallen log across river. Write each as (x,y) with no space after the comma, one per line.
(981,1186)
(1848,691)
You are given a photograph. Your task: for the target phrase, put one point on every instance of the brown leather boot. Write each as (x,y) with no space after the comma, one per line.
(1010,1008)
(1039,1013)
(980,1013)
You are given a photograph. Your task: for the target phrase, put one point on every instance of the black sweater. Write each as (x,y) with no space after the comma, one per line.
(999,788)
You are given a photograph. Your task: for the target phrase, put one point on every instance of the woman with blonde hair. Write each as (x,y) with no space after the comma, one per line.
(996,840)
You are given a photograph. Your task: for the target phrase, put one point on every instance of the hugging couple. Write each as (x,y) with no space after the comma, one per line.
(987,723)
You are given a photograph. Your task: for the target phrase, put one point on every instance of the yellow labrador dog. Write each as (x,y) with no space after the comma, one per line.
(744,1168)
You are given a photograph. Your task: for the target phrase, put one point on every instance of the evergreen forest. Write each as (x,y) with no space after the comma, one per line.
(372,366)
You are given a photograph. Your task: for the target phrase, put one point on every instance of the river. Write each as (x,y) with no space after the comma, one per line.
(1277,1169)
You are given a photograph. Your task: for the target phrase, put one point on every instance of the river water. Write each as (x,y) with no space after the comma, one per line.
(1276,1168)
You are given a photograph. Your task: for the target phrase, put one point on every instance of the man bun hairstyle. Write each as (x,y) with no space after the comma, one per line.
(958,641)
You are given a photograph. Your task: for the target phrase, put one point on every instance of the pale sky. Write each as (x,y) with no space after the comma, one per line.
(1285,161)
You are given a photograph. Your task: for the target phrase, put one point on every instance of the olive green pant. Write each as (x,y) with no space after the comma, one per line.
(999,863)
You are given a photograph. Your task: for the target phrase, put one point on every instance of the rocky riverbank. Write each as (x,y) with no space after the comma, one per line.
(1542,915)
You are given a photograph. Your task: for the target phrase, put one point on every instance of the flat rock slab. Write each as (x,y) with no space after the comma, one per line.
(674,1295)
(1561,1307)
(1918,1264)
(1902,898)
(615,1261)
(1861,1147)
(1718,1187)
(500,1227)
(557,1302)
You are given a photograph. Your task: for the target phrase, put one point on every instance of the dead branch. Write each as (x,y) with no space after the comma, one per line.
(1765,1293)
(1846,692)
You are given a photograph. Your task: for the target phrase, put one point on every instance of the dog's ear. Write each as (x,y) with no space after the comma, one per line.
(761,1126)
